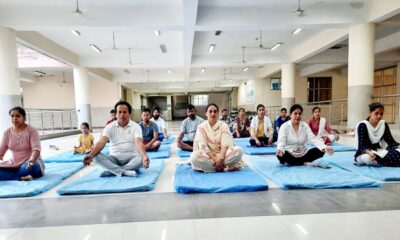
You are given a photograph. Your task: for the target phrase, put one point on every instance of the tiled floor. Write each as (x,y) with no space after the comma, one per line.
(164,214)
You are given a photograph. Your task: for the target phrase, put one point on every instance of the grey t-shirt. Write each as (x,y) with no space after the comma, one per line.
(148,132)
(189,127)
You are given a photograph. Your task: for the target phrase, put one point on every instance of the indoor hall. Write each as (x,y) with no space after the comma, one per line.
(69,62)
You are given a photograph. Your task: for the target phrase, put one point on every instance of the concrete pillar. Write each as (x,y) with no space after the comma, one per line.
(10,95)
(169,108)
(361,72)
(287,85)
(82,95)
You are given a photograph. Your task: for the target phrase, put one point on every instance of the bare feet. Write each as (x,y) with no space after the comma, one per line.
(27,178)
(233,168)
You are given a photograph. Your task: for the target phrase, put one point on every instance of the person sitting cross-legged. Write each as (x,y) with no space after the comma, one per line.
(213,147)
(127,152)
(189,127)
(149,131)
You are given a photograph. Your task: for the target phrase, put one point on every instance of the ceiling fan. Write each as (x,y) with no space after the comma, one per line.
(299,11)
(260,41)
(243,56)
(79,12)
(41,74)
(63,81)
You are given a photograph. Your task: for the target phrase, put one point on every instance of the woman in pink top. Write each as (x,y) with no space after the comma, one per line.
(24,143)
(321,128)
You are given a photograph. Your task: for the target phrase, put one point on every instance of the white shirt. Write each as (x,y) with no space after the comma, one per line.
(267,125)
(122,139)
(160,123)
(291,141)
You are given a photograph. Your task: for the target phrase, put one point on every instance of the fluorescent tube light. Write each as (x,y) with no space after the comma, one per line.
(95,48)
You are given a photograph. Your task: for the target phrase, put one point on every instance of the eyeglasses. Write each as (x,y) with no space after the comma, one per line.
(212,111)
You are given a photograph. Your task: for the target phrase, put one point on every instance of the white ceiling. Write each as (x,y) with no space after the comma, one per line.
(187,29)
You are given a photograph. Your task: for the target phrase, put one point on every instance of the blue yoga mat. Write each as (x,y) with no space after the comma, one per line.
(292,177)
(170,140)
(272,150)
(337,147)
(189,181)
(69,156)
(346,161)
(240,141)
(55,174)
(183,154)
(258,150)
(163,152)
(65,157)
(92,183)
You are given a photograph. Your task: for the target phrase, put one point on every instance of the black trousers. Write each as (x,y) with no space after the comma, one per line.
(311,155)
(263,140)
(392,159)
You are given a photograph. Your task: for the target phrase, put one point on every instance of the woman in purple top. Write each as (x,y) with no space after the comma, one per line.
(24,143)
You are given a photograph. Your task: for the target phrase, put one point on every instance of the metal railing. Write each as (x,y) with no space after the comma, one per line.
(336,110)
(48,121)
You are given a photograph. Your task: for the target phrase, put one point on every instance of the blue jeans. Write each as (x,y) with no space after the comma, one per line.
(7,174)
(160,137)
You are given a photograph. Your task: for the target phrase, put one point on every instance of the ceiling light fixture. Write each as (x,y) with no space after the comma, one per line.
(298,30)
(95,48)
(76,32)
(245,69)
(39,73)
(276,46)
(203,70)
(170,71)
(163,48)
(157,33)
(211,48)
(217,33)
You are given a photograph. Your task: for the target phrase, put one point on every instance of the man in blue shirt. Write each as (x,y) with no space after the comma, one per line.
(149,131)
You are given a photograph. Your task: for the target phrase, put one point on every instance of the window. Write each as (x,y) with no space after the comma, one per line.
(200,100)
(384,86)
(319,89)
(275,84)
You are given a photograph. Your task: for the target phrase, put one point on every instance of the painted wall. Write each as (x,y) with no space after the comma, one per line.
(272,98)
(49,93)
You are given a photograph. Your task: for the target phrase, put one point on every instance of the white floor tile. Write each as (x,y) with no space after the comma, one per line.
(360,225)
(163,230)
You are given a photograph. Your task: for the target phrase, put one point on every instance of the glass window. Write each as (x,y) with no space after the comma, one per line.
(200,100)
(319,89)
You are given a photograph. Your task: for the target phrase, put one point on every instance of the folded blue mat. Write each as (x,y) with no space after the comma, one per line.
(163,152)
(55,174)
(170,140)
(92,183)
(346,161)
(189,181)
(69,156)
(183,154)
(292,177)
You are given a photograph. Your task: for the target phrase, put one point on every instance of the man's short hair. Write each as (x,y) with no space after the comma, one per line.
(146,110)
(123,103)
(190,107)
